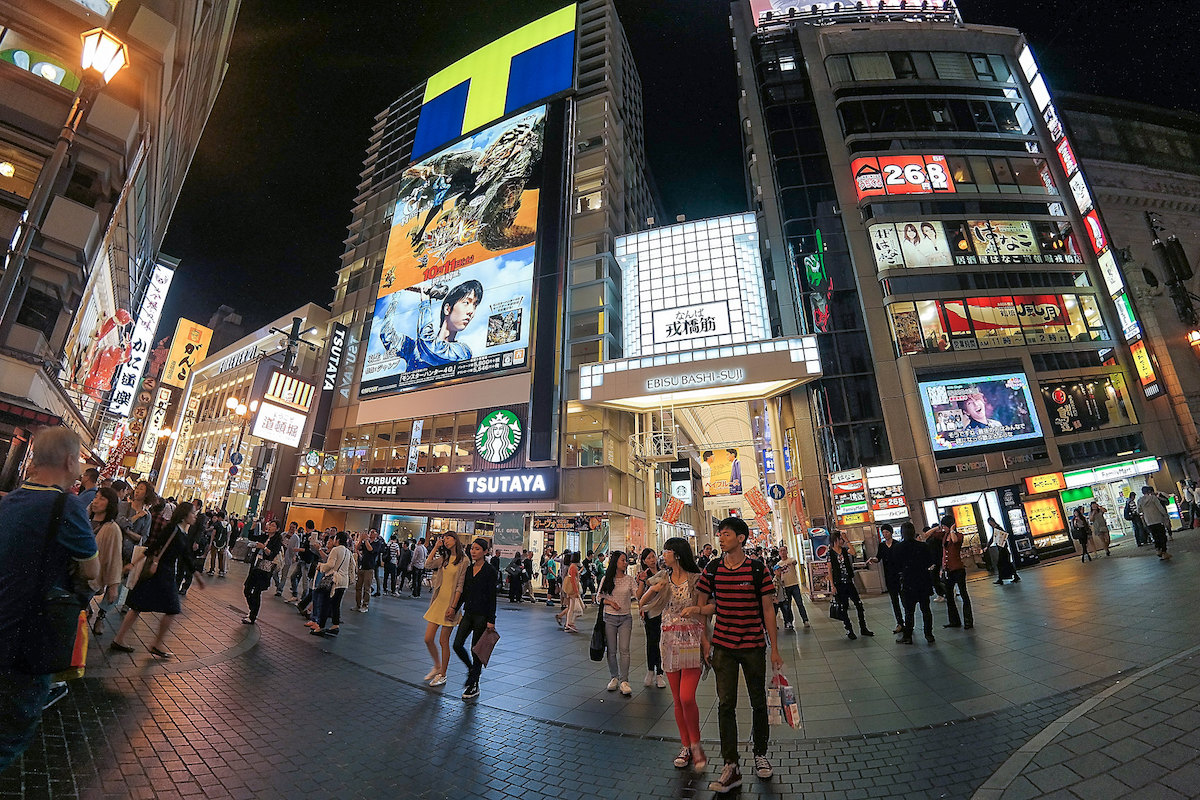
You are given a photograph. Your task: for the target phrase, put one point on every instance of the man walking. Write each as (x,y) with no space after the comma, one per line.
(1155,515)
(789,589)
(25,516)
(368,558)
(886,555)
(419,554)
(742,595)
(89,482)
(403,564)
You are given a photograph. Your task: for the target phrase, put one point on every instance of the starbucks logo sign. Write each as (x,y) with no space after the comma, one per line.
(498,436)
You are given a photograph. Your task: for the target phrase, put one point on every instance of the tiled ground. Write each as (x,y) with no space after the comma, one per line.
(271,712)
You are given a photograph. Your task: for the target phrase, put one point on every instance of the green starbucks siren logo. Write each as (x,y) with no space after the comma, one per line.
(498,436)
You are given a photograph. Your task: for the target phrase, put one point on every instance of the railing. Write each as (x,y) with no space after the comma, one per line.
(858,12)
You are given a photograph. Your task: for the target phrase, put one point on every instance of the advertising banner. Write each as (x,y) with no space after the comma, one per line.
(818,542)
(673,510)
(910,244)
(188,348)
(141,342)
(901,175)
(461,251)
(757,501)
(721,472)
(278,424)
(1001,238)
(1045,517)
(818,578)
(508,534)
(963,413)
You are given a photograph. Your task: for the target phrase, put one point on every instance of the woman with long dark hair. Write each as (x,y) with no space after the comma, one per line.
(572,595)
(449,572)
(1081,532)
(841,563)
(616,593)
(103,512)
(335,577)
(672,594)
(159,593)
(478,601)
(652,621)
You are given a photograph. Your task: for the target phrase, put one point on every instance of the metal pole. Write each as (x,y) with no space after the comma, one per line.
(237,448)
(14,284)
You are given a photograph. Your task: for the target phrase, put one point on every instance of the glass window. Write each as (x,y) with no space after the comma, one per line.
(995,321)
(871,66)
(906,329)
(441,456)
(960,171)
(940,111)
(853,119)
(1000,68)
(586,324)
(922,119)
(983,174)
(959,325)
(838,68)
(936,336)
(982,67)
(1006,117)
(1091,313)
(902,65)
(923,65)
(887,115)
(981,115)
(953,66)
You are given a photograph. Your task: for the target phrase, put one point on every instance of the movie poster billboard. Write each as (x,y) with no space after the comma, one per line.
(455,299)
(966,413)
(721,472)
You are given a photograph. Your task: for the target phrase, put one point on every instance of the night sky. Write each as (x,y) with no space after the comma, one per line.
(260,223)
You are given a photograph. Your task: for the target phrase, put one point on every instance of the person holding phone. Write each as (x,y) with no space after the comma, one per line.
(449,572)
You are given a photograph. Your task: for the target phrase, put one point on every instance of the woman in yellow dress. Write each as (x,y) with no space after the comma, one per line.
(448,562)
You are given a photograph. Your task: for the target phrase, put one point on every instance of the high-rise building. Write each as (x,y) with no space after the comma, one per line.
(477,276)
(110,161)
(928,220)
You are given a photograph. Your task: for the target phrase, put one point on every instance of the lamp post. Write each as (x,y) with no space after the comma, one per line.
(104,55)
(164,434)
(240,409)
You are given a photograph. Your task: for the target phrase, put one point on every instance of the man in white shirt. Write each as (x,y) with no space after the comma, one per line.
(1155,516)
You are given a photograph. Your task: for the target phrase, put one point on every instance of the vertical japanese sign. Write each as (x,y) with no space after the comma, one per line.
(125,390)
(188,348)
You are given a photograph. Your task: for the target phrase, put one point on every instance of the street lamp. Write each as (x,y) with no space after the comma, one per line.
(104,55)
(237,408)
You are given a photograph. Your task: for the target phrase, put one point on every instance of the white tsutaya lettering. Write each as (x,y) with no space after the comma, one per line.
(507,484)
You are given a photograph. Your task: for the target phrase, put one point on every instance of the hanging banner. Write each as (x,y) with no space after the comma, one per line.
(757,501)
(188,348)
(673,510)
(142,341)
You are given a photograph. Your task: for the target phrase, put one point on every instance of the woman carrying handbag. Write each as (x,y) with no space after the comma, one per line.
(157,590)
(478,602)
(327,598)
(258,579)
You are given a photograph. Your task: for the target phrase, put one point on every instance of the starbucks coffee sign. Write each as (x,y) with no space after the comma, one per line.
(498,436)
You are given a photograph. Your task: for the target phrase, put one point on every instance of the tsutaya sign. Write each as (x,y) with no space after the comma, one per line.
(499,485)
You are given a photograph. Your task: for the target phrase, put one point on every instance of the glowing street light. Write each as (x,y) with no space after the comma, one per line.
(103,53)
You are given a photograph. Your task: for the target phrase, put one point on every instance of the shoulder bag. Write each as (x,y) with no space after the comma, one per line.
(47,636)
(599,639)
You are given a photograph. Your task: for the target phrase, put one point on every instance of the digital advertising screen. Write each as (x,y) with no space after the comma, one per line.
(455,299)
(988,411)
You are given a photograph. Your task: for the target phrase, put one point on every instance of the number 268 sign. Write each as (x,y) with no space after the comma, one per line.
(897,175)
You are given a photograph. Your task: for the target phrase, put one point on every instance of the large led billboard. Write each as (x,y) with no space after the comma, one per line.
(982,412)
(455,299)
(900,175)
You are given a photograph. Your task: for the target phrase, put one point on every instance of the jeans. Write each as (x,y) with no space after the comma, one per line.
(653,637)
(848,592)
(362,589)
(331,605)
(789,594)
(298,572)
(21,701)
(280,577)
(473,625)
(617,630)
(911,601)
(417,574)
(389,577)
(958,578)
(725,663)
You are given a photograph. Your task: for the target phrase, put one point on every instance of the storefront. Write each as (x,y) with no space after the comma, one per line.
(1034,528)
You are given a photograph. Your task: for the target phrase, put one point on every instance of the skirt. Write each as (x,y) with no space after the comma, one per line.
(158,594)
(680,647)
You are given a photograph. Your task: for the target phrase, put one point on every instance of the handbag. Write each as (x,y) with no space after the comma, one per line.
(838,610)
(486,644)
(599,639)
(135,566)
(151,565)
(47,635)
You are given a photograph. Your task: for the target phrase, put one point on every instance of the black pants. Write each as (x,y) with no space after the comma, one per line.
(894,594)
(417,574)
(1159,534)
(911,601)
(957,578)
(1083,543)
(653,637)
(253,601)
(389,577)
(332,606)
(514,587)
(753,663)
(848,593)
(475,625)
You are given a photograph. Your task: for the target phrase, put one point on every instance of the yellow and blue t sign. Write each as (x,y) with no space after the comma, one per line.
(516,70)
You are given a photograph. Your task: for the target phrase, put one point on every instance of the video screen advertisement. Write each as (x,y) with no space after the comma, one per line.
(986,412)
(455,299)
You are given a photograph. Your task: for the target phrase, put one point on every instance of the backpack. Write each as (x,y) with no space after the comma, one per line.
(220,535)
(757,568)
(1131,512)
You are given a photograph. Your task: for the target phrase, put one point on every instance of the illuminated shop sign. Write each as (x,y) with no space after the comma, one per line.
(1045,517)
(289,391)
(142,341)
(1050,482)
(499,485)
(1111,472)
(696,380)
(936,243)
(691,322)
(277,424)
(188,348)
(885,490)
(530,64)
(901,175)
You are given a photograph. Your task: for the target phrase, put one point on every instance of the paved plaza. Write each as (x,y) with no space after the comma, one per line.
(1082,681)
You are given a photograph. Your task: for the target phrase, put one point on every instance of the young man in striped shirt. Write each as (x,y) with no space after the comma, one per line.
(742,599)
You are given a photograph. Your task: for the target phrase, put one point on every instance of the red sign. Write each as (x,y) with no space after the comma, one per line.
(848,487)
(1095,232)
(901,175)
(673,510)
(754,497)
(1067,156)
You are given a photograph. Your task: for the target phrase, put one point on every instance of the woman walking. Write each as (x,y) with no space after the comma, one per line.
(449,573)
(651,621)
(334,578)
(682,643)
(841,564)
(103,511)
(1100,526)
(1081,532)
(258,579)
(572,597)
(616,593)
(159,592)
(478,602)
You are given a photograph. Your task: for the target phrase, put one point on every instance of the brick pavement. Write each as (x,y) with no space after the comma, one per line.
(268,713)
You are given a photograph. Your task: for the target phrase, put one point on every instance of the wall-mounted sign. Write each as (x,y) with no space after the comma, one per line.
(278,424)
(1050,482)
(885,491)
(142,341)
(901,175)
(1045,517)
(335,360)
(681,480)
(289,391)
(495,485)
(1111,472)
(188,348)
(498,436)
(691,322)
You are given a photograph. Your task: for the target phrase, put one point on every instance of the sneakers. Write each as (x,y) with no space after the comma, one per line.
(612,685)
(806,624)
(699,759)
(684,758)
(731,778)
(661,681)
(649,679)
(626,689)
(762,768)
(471,692)
(790,627)
(58,691)
(438,680)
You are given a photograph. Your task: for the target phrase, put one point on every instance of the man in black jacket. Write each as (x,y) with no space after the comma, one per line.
(886,555)
(916,581)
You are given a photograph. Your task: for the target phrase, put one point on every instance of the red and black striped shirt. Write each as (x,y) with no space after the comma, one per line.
(739,622)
